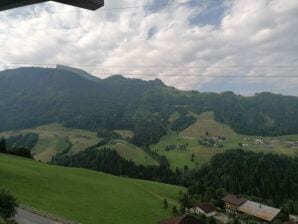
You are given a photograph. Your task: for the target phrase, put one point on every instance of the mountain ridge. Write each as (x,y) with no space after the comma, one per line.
(31,97)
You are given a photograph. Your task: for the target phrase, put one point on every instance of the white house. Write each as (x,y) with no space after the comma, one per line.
(204,208)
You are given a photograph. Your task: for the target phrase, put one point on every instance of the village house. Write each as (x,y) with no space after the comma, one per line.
(259,211)
(207,209)
(232,203)
(236,205)
(184,219)
(293,218)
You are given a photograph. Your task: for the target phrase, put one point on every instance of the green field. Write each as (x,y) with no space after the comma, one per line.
(131,152)
(55,138)
(206,123)
(85,196)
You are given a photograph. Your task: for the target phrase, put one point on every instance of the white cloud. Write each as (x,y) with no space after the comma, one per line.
(251,32)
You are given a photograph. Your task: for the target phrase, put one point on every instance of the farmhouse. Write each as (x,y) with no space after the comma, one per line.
(232,203)
(259,211)
(184,219)
(204,208)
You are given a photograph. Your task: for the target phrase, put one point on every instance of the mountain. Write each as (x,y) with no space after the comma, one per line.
(31,97)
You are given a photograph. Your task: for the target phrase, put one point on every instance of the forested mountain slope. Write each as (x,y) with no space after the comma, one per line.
(269,177)
(30,97)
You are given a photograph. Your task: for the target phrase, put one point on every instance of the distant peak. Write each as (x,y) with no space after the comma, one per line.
(79,72)
(158,82)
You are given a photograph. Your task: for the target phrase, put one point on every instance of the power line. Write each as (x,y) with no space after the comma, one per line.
(204,76)
(156,66)
(110,9)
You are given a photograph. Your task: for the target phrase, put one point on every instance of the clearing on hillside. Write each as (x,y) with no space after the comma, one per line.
(195,145)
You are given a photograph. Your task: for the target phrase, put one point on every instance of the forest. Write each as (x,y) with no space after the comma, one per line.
(268,178)
(57,96)
(108,161)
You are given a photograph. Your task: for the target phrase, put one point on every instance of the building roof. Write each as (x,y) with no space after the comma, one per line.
(234,199)
(87,4)
(258,210)
(184,219)
(207,207)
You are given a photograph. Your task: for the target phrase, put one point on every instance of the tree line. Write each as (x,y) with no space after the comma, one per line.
(20,151)
(108,161)
(268,178)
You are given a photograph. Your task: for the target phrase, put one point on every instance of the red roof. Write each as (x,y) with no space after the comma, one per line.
(184,219)
(234,200)
(207,207)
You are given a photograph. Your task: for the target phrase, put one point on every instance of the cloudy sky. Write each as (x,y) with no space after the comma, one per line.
(185,43)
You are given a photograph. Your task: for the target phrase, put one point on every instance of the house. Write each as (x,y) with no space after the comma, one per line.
(87,4)
(259,211)
(184,219)
(232,203)
(204,208)
(293,218)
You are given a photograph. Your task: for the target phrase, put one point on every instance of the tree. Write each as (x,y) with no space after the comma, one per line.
(3,148)
(211,220)
(165,204)
(174,210)
(23,152)
(236,221)
(192,157)
(8,205)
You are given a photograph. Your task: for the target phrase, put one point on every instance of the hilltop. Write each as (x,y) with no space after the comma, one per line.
(85,196)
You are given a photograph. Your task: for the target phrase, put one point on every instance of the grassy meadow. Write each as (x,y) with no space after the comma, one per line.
(206,123)
(55,138)
(85,196)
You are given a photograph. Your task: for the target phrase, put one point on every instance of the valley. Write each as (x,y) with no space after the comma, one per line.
(121,150)
(180,148)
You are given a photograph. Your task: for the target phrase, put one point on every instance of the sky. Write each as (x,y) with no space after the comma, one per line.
(185,43)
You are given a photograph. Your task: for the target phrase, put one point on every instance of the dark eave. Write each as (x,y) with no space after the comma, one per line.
(86,4)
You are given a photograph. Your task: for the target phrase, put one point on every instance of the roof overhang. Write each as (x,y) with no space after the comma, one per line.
(86,4)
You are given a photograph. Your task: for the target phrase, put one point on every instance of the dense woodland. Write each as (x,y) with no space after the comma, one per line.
(31,97)
(18,151)
(108,161)
(27,141)
(268,178)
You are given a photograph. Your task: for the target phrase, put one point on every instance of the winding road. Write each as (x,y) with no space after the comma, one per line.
(25,217)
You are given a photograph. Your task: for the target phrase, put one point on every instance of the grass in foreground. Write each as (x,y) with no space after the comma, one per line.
(85,196)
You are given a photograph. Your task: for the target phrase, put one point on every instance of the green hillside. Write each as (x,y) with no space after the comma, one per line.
(131,152)
(31,97)
(85,196)
(55,138)
(206,122)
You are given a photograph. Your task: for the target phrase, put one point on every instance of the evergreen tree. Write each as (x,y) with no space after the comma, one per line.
(165,204)
(174,210)
(8,205)
(3,147)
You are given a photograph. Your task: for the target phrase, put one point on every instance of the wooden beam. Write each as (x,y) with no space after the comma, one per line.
(86,4)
